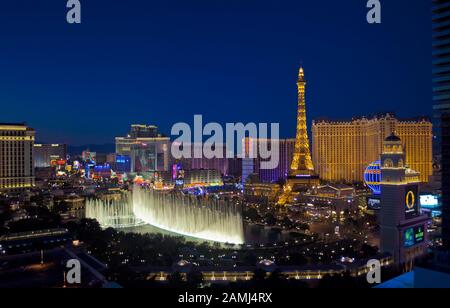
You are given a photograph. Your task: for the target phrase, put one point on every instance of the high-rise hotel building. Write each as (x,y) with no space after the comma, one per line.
(403,226)
(441,101)
(46,154)
(148,150)
(278,170)
(16,157)
(342,150)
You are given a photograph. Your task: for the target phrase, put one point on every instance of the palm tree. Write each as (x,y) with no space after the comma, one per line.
(175,280)
(194,278)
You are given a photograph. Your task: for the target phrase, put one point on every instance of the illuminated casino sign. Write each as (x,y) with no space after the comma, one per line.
(374,203)
(411,201)
(413,236)
(180,178)
(57,162)
(429,201)
(178,175)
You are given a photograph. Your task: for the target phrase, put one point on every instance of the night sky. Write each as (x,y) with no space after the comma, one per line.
(161,62)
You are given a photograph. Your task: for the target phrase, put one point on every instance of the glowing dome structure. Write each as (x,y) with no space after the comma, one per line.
(372,176)
(182,266)
(267,265)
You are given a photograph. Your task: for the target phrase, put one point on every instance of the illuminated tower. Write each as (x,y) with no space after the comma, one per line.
(301,173)
(301,162)
(402,224)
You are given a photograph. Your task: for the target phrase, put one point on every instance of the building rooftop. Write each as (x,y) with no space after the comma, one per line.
(370,118)
(13,124)
(33,234)
(393,137)
(404,281)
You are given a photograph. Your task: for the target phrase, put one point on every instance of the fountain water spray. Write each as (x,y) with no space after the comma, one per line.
(201,217)
(112,213)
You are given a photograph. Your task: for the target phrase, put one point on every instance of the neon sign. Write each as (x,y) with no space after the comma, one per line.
(413,236)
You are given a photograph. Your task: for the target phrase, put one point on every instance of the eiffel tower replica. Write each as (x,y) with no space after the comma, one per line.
(301,174)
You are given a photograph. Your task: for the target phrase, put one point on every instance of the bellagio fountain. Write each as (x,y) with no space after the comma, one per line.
(207,218)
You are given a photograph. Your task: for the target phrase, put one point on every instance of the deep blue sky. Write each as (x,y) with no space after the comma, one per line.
(160,62)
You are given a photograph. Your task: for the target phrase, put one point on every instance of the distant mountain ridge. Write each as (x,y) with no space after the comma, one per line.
(99,148)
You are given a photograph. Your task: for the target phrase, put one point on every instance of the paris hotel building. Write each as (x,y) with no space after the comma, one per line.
(342,150)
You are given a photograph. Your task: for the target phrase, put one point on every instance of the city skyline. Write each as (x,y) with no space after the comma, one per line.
(84,77)
(225,147)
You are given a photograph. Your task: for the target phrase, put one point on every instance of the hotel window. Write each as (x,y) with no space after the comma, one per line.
(388,163)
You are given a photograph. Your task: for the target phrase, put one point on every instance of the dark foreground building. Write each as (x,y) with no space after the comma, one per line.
(441,101)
